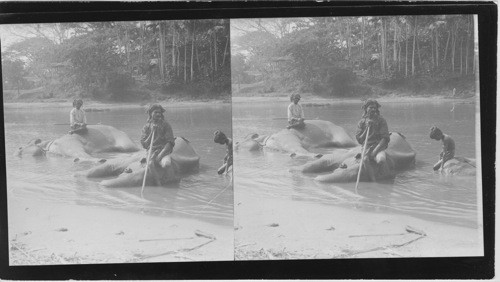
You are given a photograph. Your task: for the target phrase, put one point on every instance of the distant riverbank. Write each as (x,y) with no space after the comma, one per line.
(310,99)
(307,99)
(100,106)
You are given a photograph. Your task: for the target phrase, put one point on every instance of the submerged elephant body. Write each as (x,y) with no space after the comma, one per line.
(316,134)
(460,166)
(98,138)
(131,169)
(345,163)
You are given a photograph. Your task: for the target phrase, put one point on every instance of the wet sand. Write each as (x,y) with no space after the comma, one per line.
(43,233)
(284,229)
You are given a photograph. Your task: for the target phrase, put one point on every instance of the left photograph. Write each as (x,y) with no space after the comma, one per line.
(118,141)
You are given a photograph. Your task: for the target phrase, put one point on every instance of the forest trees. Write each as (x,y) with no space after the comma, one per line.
(115,60)
(328,54)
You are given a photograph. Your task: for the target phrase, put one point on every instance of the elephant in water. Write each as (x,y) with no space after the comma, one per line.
(460,166)
(130,170)
(298,142)
(345,163)
(99,138)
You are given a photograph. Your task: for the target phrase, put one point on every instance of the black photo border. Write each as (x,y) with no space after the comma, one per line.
(386,268)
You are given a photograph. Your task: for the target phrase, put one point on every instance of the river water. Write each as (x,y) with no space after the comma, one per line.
(419,192)
(204,196)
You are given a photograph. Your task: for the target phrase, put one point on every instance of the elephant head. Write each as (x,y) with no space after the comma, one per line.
(252,142)
(34,148)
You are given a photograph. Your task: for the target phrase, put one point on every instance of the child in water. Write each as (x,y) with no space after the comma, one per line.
(448,152)
(77,118)
(220,138)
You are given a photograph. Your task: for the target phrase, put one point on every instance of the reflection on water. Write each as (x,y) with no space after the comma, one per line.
(418,192)
(52,179)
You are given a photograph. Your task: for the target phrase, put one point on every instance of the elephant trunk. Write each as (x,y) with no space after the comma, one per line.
(127,180)
(320,165)
(342,175)
(134,175)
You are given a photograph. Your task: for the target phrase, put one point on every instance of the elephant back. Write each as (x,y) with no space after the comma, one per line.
(184,155)
(460,166)
(400,151)
(108,138)
(322,133)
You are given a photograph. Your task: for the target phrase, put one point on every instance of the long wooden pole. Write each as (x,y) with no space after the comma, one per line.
(362,160)
(147,162)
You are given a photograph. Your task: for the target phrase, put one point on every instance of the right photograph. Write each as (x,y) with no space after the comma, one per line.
(356,137)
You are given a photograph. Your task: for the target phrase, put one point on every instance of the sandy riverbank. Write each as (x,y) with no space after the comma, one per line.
(51,233)
(280,229)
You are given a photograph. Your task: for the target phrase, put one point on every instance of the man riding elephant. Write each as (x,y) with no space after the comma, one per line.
(295,113)
(159,129)
(373,124)
(77,118)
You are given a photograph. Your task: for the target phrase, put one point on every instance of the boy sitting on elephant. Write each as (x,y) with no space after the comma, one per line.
(220,138)
(373,124)
(448,152)
(295,113)
(77,118)
(164,140)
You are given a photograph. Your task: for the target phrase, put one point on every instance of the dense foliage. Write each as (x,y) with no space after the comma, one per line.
(340,56)
(121,60)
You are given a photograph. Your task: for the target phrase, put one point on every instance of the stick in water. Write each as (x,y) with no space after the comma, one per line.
(362,160)
(147,162)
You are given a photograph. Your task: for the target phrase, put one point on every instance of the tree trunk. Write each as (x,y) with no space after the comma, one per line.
(461,64)
(437,48)
(406,52)
(173,46)
(363,37)
(197,59)
(399,57)
(395,51)
(433,59)
(453,48)
(414,45)
(127,50)
(192,49)
(467,45)
(162,52)
(141,33)
(382,45)
(446,47)
(178,56)
(211,61)
(418,53)
(348,35)
(215,50)
(185,57)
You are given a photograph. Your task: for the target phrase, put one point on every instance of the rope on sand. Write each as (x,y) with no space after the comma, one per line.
(177,251)
(389,246)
